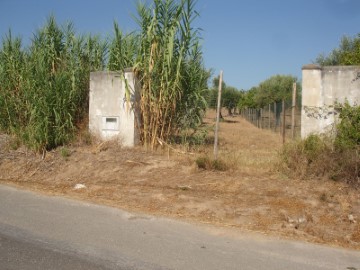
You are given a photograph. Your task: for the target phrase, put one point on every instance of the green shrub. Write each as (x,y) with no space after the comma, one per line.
(338,158)
(203,163)
(206,163)
(219,165)
(314,147)
(65,152)
(348,130)
(305,157)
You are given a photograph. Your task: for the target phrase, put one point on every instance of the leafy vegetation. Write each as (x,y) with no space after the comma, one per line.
(170,67)
(337,158)
(230,96)
(44,87)
(348,53)
(274,89)
(207,163)
(348,131)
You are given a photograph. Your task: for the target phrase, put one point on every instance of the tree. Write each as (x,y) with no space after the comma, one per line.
(229,96)
(348,53)
(216,83)
(274,89)
(247,99)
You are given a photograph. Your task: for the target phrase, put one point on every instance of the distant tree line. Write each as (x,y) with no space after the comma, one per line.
(274,89)
(230,96)
(279,87)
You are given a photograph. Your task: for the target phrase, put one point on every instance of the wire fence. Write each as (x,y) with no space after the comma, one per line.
(281,117)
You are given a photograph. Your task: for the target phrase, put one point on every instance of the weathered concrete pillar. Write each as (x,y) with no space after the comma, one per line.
(312,93)
(113,115)
(322,89)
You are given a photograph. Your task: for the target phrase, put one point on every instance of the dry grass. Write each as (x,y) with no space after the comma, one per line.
(245,148)
(248,196)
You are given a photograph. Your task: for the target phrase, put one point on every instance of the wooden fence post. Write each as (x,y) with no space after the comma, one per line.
(269,117)
(293,111)
(283,122)
(275,122)
(218,118)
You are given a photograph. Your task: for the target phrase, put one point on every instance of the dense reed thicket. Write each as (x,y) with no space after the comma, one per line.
(44,87)
(170,67)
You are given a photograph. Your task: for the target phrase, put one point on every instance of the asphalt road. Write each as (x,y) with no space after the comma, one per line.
(41,232)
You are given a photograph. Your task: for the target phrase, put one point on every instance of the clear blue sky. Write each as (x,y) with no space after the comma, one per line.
(250,40)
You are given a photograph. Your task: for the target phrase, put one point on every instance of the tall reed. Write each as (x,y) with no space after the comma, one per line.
(47,93)
(169,66)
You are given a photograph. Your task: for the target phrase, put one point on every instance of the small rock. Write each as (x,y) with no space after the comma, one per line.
(302,219)
(290,220)
(351,219)
(79,186)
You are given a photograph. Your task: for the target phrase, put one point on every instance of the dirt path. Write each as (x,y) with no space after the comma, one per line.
(251,195)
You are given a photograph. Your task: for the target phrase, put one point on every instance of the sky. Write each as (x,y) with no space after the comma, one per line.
(249,40)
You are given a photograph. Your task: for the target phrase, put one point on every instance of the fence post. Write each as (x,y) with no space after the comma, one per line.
(293,111)
(283,122)
(275,124)
(269,117)
(217,118)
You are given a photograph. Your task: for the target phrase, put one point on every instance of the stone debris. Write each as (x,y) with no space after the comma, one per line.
(79,186)
(351,219)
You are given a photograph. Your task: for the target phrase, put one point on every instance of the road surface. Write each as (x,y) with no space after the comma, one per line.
(44,232)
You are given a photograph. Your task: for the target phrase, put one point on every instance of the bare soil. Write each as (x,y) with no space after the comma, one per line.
(250,196)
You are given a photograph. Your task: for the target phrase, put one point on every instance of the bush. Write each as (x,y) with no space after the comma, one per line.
(348,131)
(338,158)
(65,152)
(306,157)
(207,163)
